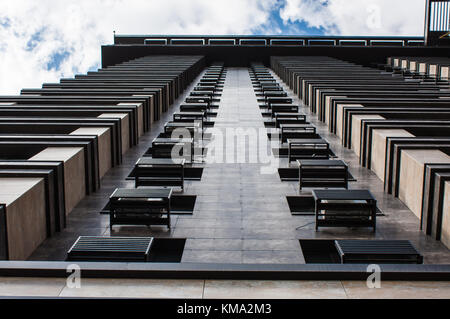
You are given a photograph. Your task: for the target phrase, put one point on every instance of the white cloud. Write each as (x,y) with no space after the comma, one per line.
(359,17)
(32,32)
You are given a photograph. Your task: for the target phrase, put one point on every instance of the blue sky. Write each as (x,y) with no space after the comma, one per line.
(280,26)
(295,28)
(42,41)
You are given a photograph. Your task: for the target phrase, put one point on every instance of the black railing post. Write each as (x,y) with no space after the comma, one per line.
(437,24)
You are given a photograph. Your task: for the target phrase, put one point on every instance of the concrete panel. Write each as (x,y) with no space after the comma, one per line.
(404,64)
(378,159)
(31,287)
(339,118)
(152,106)
(265,289)
(422,67)
(25,215)
(104,145)
(412,167)
(310,91)
(125,124)
(136,288)
(152,110)
(140,116)
(328,107)
(317,97)
(74,171)
(302,87)
(356,130)
(445,70)
(445,234)
(398,290)
(432,70)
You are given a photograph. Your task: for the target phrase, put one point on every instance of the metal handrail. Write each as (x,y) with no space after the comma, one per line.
(269,40)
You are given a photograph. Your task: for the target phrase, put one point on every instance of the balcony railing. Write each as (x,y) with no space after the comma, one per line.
(266,41)
(439,16)
(437,22)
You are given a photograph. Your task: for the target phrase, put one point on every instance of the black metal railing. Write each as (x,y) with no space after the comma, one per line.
(439,16)
(437,22)
(267,41)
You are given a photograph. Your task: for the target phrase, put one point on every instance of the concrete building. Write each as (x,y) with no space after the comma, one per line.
(300,161)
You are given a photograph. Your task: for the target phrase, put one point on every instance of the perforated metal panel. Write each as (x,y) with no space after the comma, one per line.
(378,251)
(90,248)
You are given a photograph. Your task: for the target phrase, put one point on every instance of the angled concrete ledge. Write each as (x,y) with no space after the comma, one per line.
(125,128)
(412,170)
(327,106)
(339,129)
(104,146)
(378,158)
(26,225)
(74,171)
(356,130)
(140,116)
(225,271)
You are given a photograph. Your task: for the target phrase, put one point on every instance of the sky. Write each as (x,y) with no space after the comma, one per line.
(45,40)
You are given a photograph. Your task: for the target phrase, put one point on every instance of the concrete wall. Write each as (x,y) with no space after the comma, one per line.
(25,215)
(74,171)
(412,170)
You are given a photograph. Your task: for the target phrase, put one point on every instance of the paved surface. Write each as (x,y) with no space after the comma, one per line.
(220,289)
(241,215)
